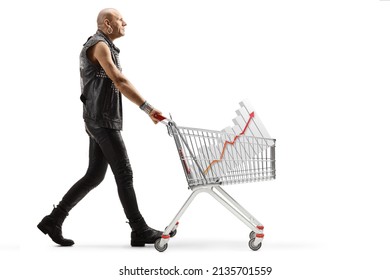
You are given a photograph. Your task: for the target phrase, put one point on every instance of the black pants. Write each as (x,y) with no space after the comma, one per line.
(106,146)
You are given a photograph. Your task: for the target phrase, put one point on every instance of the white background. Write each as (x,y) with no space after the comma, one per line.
(317,73)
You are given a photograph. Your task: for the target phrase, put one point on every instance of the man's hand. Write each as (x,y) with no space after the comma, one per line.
(152,115)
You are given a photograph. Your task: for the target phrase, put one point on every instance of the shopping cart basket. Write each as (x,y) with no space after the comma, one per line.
(211,159)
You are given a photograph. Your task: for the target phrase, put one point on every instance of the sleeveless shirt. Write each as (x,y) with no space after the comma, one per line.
(102,101)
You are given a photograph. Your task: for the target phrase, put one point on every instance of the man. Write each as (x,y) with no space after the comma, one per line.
(102,84)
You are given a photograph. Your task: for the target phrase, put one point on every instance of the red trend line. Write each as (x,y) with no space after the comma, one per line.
(251,116)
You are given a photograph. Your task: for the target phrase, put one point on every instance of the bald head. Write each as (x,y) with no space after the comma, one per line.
(104,14)
(111,23)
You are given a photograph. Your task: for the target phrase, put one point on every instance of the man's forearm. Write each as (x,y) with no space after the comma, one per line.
(128,90)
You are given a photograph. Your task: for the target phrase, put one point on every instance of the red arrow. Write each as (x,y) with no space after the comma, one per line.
(251,116)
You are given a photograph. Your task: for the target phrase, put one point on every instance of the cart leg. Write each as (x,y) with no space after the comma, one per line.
(239,207)
(162,242)
(256,236)
(256,226)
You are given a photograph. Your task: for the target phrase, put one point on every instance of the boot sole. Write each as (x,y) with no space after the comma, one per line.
(46,231)
(137,244)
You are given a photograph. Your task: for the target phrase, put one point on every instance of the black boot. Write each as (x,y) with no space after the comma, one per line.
(142,234)
(52,225)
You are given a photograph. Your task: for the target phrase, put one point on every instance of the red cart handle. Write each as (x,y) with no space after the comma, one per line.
(162,119)
(159,117)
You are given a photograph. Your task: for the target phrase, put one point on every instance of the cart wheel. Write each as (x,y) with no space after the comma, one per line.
(172,233)
(252,235)
(252,246)
(158,247)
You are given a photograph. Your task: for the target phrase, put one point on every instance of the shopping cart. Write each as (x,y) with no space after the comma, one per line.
(211,159)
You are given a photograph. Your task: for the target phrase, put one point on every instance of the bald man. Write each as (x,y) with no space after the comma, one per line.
(102,86)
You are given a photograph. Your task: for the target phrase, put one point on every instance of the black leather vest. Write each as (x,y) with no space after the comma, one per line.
(102,101)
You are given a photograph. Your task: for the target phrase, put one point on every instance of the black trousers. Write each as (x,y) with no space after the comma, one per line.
(106,147)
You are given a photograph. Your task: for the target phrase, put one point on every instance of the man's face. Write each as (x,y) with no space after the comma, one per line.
(118,25)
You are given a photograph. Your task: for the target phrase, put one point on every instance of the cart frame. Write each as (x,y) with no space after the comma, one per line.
(244,158)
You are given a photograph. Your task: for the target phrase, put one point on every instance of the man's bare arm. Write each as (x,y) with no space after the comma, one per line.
(100,53)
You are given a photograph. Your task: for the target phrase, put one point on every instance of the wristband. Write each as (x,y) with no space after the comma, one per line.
(146,107)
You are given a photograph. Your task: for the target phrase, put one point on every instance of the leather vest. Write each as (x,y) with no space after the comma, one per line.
(102,101)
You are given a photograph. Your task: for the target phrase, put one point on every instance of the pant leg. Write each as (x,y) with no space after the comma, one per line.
(93,177)
(113,148)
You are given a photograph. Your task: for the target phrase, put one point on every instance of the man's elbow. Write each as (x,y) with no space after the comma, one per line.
(120,82)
